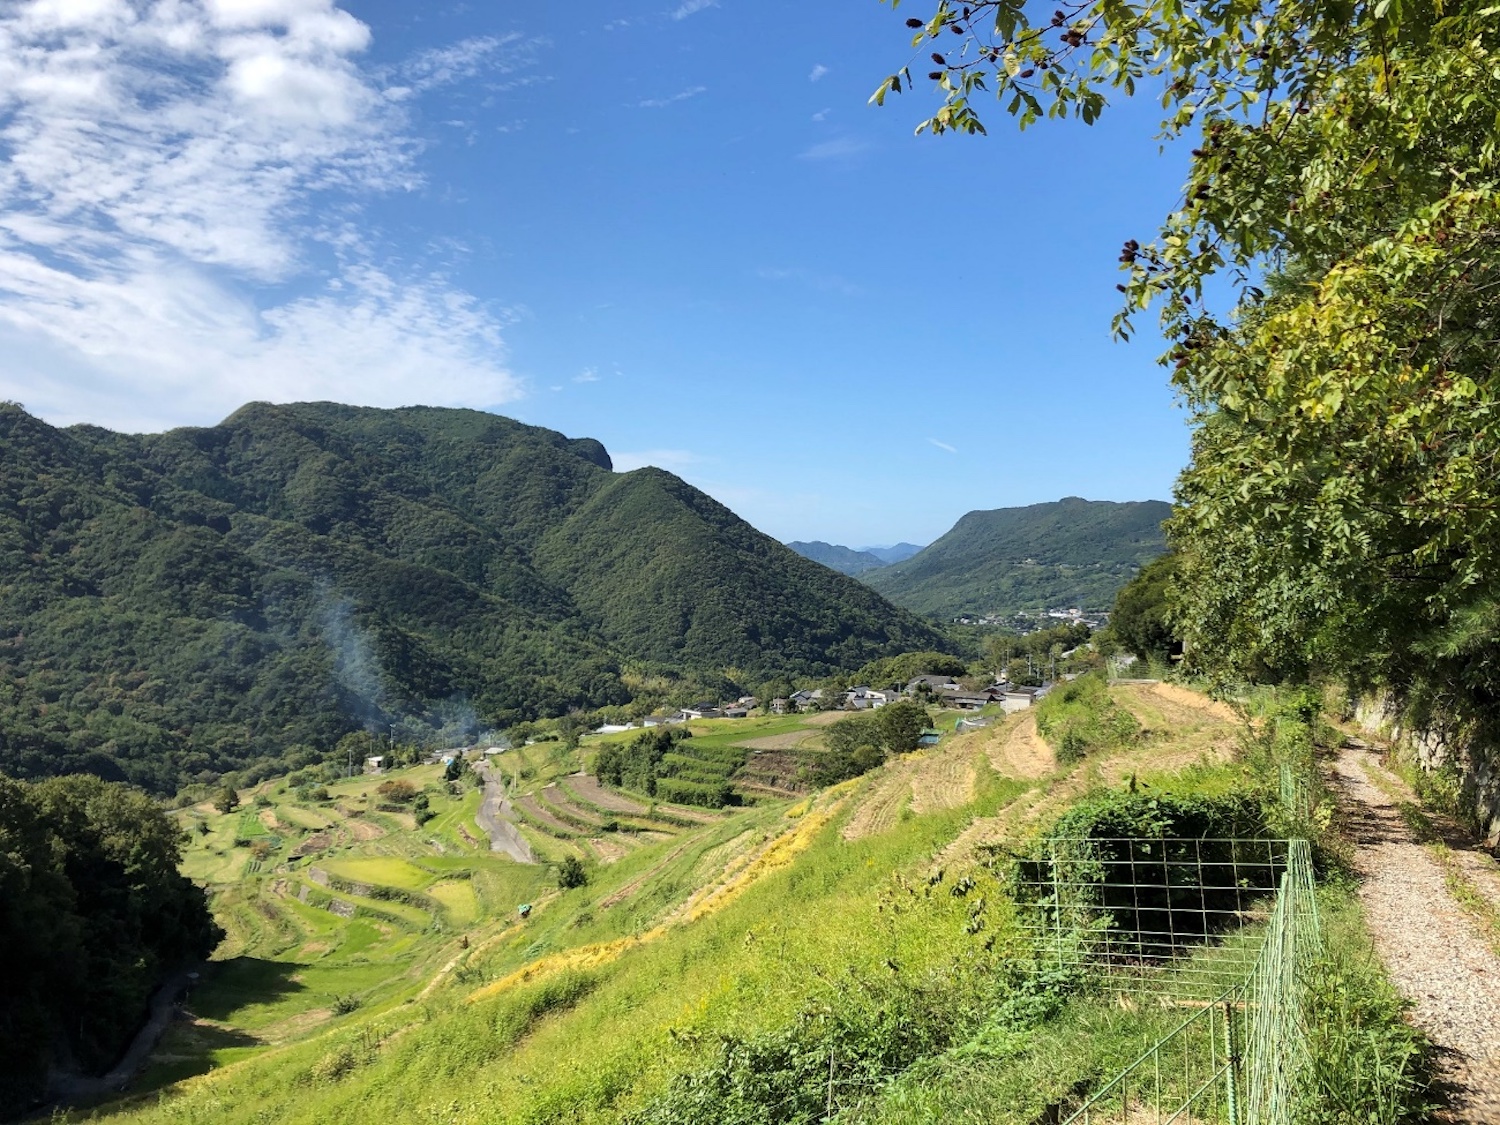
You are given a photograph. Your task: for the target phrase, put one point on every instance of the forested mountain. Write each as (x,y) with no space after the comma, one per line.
(845,560)
(899,552)
(1069,552)
(175,605)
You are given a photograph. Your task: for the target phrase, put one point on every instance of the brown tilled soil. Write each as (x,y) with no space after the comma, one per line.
(608,850)
(556,798)
(364,830)
(882,803)
(588,787)
(944,780)
(535,809)
(1018,751)
(826,718)
(789,741)
(1433,951)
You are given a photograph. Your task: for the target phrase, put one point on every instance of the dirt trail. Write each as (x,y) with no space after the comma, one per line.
(494,817)
(69,1089)
(1433,952)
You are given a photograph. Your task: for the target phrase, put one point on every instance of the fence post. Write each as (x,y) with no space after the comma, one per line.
(1231,1079)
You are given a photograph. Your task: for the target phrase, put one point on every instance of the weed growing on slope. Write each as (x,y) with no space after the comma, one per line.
(1080,718)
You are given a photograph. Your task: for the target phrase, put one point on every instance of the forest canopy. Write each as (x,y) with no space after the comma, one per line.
(93,913)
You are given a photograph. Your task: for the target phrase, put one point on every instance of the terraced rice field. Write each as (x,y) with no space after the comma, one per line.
(944,779)
(884,801)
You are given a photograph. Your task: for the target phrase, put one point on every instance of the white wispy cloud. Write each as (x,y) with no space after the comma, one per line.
(443,66)
(680,96)
(943,445)
(822,114)
(818,71)
(180,186)
(670,459)
(692,7)
(841,148)
(587,375)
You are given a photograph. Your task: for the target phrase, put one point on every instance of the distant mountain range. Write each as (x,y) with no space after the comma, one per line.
(1070,552)
(176,605)
(854,560)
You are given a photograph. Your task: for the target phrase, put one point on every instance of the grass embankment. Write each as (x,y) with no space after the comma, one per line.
(721,969)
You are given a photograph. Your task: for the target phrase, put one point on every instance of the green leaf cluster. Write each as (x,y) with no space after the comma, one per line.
(93,913)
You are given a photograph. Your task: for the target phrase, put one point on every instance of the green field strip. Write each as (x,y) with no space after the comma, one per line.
(311,819)
(386,871)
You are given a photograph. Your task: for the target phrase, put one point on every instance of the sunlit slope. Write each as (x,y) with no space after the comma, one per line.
(1070,552)
(873,897)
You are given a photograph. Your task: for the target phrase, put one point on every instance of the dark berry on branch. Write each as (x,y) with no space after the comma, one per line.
(913,22)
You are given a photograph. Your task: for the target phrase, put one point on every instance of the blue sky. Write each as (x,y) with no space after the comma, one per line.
(678,228)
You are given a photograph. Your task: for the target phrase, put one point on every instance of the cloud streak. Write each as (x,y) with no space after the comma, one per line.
(692,8)
(680,96)
(943,445)
(840,148)
(180,188)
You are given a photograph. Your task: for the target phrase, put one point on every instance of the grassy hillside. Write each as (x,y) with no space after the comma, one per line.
(1070,552)
(845,560)
(716,971)
(176,605)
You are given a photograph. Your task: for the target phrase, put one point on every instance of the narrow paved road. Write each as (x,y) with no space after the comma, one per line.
(69,1089)
(1432,950)
(496,818)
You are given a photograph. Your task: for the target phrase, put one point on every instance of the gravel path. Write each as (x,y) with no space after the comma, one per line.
(495,817)
(1433,952)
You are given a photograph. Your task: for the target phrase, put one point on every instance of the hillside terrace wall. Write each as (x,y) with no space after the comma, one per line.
(1436,746)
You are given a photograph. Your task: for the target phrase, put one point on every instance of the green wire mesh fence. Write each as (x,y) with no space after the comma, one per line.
(1155,916)
(1224,930)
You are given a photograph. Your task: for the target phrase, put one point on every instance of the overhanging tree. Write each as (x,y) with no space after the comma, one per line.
(1340,509)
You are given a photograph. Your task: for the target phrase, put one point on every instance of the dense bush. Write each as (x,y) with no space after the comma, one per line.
(1153,864)
(93,913)
(861,742)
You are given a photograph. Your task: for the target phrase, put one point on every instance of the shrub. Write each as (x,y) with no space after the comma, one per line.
(226,800)
(570,873)
(901,725)
(397,792)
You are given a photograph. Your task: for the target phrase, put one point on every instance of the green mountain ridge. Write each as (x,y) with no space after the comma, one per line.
(1070,552)
(845,560)
(180,604)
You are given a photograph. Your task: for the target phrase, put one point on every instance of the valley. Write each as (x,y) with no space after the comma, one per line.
(377,967)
